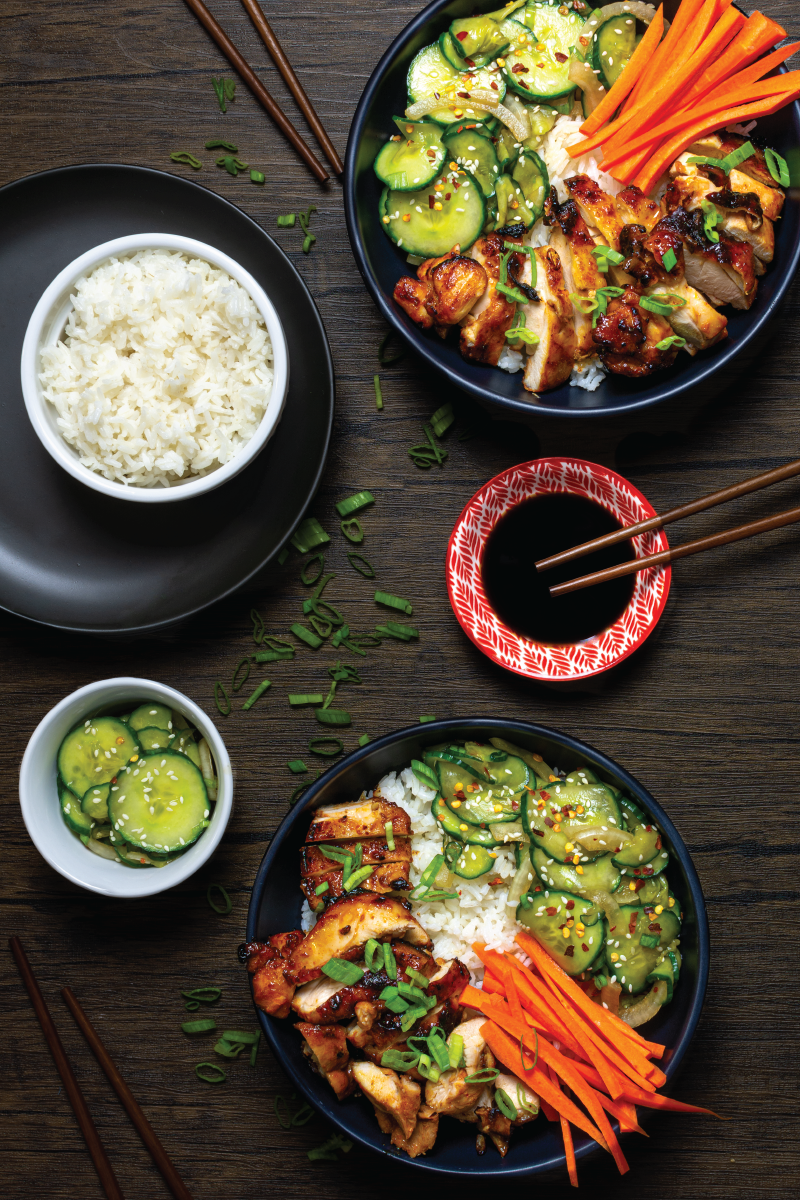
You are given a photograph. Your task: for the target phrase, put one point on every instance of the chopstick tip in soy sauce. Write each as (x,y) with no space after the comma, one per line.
(533,530)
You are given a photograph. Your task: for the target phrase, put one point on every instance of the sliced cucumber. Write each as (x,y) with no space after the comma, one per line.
(447,45)
(648,870)
(537,61)
(511,773)
(431,72)
(472,862)
(78,821)
(456,766)
(599,808)
(94,753)
(647,891)
(509,832)
(184,743)
(582,776)
(147,716)
(475,153)
(413,157)
(644,847)
(530,172)
(95,802)
(663,970)
(600,875)
(612,47)
(548,919)
(534,761)
(431,232)
(630,958)
(476,37)
(471,835)
(154,739)
(511,206)
(162,805)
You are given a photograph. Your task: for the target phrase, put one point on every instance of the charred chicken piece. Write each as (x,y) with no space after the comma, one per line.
(390,877)
(364,819)
(444,291)
(550,362)
(483,329)
(635,208)
(697,321)
(626,337)
(451,1094)
(395,1095)
(266,962)
(374,852)
(346,926)
(717,145)
(724,271)
(326,1045)
(770,196)
(423,1137)
(324,1000)
(574,244)
(596,207)
(740,212)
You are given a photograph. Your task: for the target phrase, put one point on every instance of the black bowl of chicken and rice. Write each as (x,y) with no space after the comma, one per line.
(589,392)
(278,907)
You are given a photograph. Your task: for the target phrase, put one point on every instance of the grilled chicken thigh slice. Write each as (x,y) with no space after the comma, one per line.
(697,321)
(423,1137)
(717,145)
(326,1045)
(346,926)
(444,291)
(741,213)
(451,1094)
(549,363)
(627,335)
(374,852)
(366,818)
(770,196)
(396,1095)
(517,1090)
(267,963)
(724,271)
(390,877)
(483,329)
(596,207)
(635,208)
(574,244)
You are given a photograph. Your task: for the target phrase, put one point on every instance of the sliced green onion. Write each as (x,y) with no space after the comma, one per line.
(358,857)
(315,558)
(266,656)
(219,688)
(428,1069)
(229,146)
(439,454)
(308,242)
(340,635)
(388,362)
(664,303)
(584,304)
(298,791)
(183,156)
(373,955)
(297,699)
(668,342)
(303,1115)
(526,900)
(389,961)
(485,1075)
(389,831)
(606,255)
(305,217)
(519,333)
(334,853)
(522,1053)
(309,533)
(327,1152)
(333,716)
(426,717)
(390,601)
(282,557)
(306,635)
(219,89)
(417,978)
(238,1038)
(227,903)
(254,1051)
(210,1073)
(777,167)
(442,419)
(297,766)
(364,741)
(287,221)
(506,1104)
(411,1017)
(456,1050)
(432,870)
(378,392)
(259,630)
(400,1060)
(230,88)
(204,1026)
(236,683)
(425,774)
(523,1105)
(276,1103)
(401,633)
(669,260)
(257,177)
(200,996)
(703,161)
(711,220)
(409,992)
(737,156)
(600,981)
(322,889)
(366,569)
(279,645)
(512,293)
(343,971)
(357,878)
(355,503)
(259,691)
(353,530)
(316,746)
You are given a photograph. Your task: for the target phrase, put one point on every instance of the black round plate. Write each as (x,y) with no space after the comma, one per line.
(73,558)
(381,264)
(275,904)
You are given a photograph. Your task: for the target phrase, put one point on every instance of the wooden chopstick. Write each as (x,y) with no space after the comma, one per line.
(71,1086)
(293,83)
(256,87)
(654,560)
(143,1126)
(753,484)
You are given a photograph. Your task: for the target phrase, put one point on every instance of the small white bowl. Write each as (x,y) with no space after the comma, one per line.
(46,327)
(41,811)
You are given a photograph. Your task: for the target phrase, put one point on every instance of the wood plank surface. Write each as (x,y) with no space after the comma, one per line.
(706,716)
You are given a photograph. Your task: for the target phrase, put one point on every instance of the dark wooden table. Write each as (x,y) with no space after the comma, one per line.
(706,717)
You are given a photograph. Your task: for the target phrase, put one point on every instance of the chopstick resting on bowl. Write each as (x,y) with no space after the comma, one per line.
(293,83)
(257,88)
(739,533)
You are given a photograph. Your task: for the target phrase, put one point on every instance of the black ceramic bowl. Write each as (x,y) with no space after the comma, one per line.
(275,907)
(382,264)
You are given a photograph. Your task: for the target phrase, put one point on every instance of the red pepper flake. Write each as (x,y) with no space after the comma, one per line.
(559,57)
(647,870)
(473,126)
(447,197)
(549,823)
(632,922)
(469,62)
(518,69)
(114,780)
(459,795)
(514,803)
(655,927)
(431,201)
(538,887)
(545,795)
(494,85)
(463,95)
(456,186)
(538,832)
(637,887)
(494,882)
(462,36)
(569,952)
(460,129)
(522,83)
(585,949)
(551,912)
(658,842)
(570,904)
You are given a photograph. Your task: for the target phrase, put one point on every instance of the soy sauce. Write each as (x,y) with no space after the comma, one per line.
(520,596)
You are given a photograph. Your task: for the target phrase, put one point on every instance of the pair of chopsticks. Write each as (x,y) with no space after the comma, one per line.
(260,92)
(76,1099)
(676,514)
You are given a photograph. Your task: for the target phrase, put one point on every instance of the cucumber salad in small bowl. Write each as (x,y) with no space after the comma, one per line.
(126,787)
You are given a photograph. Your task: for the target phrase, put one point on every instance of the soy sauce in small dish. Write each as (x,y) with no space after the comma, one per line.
(535,529)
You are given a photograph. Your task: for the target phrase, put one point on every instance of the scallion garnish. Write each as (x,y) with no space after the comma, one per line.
(298,699)
(366,569)
(519,333)
(426,775)
(297,766)
(442,419)
(401,633)
(711,220)
(309,533)
(343,971)
(286,221)
(315,558)
(485,1075)
(303,1115)
(316,746)
(236,683)
(389,961)
(227,1049)
(426,717)
(664,303)
(254,1050)
(390,601)
(267,656)
(389,833)
(606,255)
(340,635)
(352,530)
(357,878)
(387,362)
(276,1106)
(373,955)
(204,1026)
(417,978)
(364,739)
(378,392)
(456,1050)
(200,996)
(410,1018)
(227,903)
(229,146)
(334,853)
(400,1060)
(669,260)
(777,167)
(673,340)
(354,504)
(282,557)
(257,177)
(522,1053)
(333,716)
(238,1037)
(439,1052)
(210,1073)
(259,691)
(322,889)
(327,1152)
(183,156)
(506,1105)
(220,689)
(306,635)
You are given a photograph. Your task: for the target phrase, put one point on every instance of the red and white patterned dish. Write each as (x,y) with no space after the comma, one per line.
(481,623)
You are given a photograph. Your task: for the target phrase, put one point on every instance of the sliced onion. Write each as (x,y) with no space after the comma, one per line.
(646,1007)
(102,850)
(515,106)
(609,996)
(582,74)
(602,900)
(483,101)
(524,879)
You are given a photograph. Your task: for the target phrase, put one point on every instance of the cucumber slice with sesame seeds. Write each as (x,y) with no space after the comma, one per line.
(460,830)
(537,61)
(411,159)
(552,915)
(545,816)
(147,716)
(472,862)
(184,743)
(78,821)
(475,153)
(95,802)
(636,942)
(154,739)
(162,804)
(416,227)
(600,875)
(94,752)
(648,870)
(431,73)
(613,45)
(643,849)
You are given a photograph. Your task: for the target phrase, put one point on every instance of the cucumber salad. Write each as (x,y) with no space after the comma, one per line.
(590,880)
(138,788)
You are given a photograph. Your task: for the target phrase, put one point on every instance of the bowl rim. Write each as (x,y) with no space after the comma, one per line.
(427,348)
(37,406)
(483,627)
(330,1107)
(165,878)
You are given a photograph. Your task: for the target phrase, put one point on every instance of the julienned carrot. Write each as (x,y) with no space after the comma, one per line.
(710,14)
(757,34)
(625,1112)
(664,1102)
(566,1133)
(513,998)
(627,80)
(504,1048)
(669,150)
(670,50)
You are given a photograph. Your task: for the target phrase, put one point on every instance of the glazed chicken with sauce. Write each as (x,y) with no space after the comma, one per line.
(717,263)
(347,1028)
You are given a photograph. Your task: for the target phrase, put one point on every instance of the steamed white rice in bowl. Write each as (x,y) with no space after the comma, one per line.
(154,368)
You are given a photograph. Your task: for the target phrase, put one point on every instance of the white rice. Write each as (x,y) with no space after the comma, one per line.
(165,370)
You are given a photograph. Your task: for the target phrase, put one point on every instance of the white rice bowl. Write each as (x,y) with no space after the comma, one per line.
(164,372)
